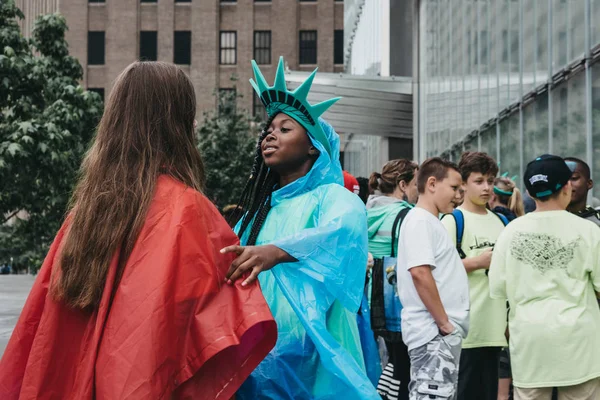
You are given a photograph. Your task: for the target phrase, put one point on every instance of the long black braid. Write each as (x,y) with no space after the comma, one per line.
(255,201)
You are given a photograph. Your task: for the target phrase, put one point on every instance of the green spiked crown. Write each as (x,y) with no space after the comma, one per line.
(278,98)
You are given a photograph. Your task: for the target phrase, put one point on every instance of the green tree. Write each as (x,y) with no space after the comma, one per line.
(227,142)
(47,120)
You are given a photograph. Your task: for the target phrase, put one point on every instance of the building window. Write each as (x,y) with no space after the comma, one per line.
(262,1)
(472,45)
(483,47)
(228,48)
(308,47)
(262,47)
(148,1)
(562,48)
(95,1)
(228,1)
(148,45)
(182,47)
(505,46)
(100,91)
(96,48)
(183,1)
(338,46)
(308,1)
(227,100)
(258,108)
(510,46)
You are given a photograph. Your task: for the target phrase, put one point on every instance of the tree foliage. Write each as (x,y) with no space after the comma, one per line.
(47,120)
(227,142)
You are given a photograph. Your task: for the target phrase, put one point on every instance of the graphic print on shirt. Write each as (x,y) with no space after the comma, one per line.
(543,252)
(481,243)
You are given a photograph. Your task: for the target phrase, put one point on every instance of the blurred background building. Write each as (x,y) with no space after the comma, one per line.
(211,40)
(214,40)
(515,78)
(378,37)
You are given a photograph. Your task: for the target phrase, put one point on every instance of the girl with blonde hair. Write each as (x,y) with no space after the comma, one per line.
(507,198)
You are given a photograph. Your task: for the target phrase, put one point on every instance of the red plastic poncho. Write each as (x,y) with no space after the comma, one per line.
(173,330)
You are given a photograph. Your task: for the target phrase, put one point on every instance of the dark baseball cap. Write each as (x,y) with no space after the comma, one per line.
(546,175)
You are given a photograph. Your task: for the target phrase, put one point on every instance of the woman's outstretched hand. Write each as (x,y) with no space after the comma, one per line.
(254,259)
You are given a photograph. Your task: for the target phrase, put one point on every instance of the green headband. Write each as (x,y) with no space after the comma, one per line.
(499,191)
(278,98)
(505,175)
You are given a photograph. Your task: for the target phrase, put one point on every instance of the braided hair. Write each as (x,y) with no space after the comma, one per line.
(255,200)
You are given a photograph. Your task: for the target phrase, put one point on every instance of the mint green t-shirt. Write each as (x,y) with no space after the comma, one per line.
(487,321)
(547,265)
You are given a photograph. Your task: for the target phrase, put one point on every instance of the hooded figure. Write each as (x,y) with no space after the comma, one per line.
(301,211)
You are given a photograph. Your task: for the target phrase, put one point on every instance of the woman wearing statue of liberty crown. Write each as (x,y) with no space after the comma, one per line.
(304,237)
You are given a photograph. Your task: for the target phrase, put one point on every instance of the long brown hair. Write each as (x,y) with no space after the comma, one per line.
(392,173)
(147,129)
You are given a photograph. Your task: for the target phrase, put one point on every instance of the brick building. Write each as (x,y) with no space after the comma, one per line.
(211,40)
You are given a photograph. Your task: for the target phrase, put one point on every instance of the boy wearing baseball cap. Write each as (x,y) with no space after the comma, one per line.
(547,265)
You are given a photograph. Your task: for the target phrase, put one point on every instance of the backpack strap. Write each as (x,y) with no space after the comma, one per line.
(397,222)
(459,219)
(502,218)
(377,297)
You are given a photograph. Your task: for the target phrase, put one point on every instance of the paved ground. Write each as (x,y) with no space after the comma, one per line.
(13,293)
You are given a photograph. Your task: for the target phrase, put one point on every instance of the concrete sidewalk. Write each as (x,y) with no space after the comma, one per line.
(13,293)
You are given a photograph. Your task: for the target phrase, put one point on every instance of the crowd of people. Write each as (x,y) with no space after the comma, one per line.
(471,264)
(422,282)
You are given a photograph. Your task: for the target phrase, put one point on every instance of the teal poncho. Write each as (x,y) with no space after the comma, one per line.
(315,300)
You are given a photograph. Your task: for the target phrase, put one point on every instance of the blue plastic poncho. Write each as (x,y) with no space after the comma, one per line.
(367,341)
(315,300)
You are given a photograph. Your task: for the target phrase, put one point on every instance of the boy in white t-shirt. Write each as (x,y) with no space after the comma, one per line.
(547,265)
(433,285)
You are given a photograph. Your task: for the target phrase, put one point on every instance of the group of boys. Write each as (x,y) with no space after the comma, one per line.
(542,269)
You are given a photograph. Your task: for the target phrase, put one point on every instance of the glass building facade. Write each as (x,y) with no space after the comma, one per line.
(377,35)
(365,153)
(513,78)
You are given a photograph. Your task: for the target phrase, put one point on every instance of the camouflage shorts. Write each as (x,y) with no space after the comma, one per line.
(434,368)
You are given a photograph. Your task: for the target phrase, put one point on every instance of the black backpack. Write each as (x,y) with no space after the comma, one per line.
(378,321)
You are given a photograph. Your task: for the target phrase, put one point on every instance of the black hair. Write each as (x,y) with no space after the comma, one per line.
(364,190)
(583,164)
(545,199)
(255,201)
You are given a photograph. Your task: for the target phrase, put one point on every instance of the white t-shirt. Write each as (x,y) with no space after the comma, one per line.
(425,241)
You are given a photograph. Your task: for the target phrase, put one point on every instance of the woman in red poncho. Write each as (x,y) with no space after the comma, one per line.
(130,302)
